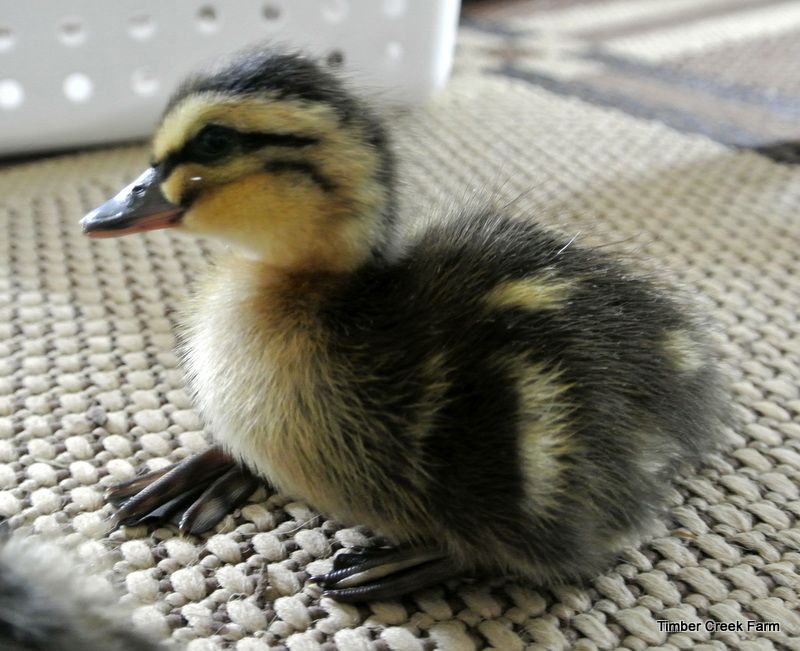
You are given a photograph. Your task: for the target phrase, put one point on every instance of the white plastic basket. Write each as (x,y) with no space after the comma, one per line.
(80,72)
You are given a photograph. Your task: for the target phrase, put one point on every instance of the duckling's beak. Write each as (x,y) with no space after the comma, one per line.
(139,207)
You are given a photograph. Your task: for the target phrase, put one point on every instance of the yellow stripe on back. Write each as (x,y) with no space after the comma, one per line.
(546,436)
(538,293)
(686,355)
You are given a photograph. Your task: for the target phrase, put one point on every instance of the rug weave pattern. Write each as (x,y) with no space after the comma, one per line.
(90,389)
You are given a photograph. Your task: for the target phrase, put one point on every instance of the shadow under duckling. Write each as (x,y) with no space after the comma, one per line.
(486,394)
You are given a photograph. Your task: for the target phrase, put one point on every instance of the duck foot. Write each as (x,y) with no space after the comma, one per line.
(196,493)
(376,574)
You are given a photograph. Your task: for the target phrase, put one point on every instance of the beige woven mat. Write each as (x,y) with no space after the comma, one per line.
(90,390)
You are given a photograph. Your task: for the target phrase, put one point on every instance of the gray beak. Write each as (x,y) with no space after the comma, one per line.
(139,207)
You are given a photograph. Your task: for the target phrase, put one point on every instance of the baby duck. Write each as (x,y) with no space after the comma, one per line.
(487,395)
(50,601)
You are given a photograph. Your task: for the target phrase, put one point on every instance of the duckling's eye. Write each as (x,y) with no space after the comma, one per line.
(213,142)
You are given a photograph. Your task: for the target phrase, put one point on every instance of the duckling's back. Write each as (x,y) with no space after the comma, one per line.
(522,399)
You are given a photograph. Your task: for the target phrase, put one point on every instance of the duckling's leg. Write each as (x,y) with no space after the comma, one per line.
(197,492)
(378,574)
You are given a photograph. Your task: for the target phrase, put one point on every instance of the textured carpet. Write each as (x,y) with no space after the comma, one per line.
(650,126)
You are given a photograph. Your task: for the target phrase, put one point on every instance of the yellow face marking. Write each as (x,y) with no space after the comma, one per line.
(685,354)
(529,294)
(283,218)
(288,225)
(197,178)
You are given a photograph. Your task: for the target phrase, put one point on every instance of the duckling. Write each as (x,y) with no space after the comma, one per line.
(486,394)
(47,603)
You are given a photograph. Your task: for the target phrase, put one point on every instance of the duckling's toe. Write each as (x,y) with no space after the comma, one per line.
(197,493)
(376,574)
(356,556)
(219,499)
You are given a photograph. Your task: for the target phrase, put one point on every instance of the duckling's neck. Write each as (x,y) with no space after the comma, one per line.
(342,245)
(299,282)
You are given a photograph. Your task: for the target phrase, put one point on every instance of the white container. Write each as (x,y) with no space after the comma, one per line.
(82,72)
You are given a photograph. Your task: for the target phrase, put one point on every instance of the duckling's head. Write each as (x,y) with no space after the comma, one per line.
(271,155)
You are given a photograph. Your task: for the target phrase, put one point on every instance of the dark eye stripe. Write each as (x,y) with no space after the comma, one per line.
(246,141)
(277,166)
(255,140)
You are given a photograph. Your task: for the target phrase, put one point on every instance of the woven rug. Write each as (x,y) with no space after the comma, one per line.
(663,129)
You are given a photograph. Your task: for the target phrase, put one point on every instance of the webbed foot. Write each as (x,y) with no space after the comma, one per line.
(376,574)
(197,492)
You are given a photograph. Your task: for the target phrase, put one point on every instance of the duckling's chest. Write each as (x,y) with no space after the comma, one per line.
(261,377)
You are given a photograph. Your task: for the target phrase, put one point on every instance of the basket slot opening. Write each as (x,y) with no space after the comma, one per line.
(78,87)
(394,51)
(335,58)
(144,82)
(394,8)
(7,38)
(335,11)
(271,12)
(72,31)
(11,94)
(141,27)
(208,19)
